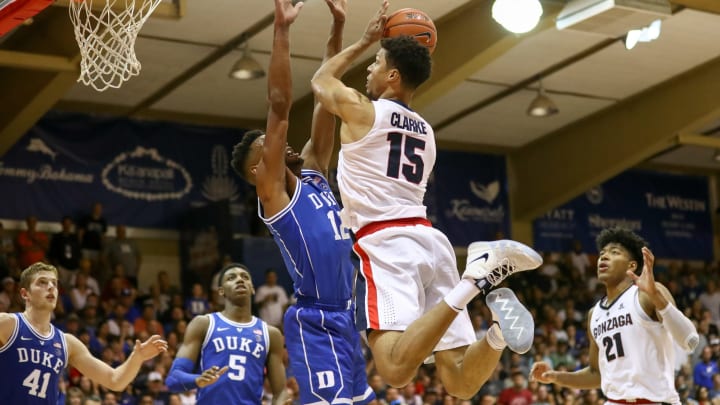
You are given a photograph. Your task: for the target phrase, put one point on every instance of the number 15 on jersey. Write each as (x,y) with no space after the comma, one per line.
(401,144)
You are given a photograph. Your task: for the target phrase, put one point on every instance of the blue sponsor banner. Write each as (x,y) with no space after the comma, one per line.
(671,212)
(467,197)
(146,174)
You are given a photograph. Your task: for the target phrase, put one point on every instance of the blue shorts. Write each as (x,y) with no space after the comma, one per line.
(325,356)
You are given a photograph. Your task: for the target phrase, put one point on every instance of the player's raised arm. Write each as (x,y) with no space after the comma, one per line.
(659,304)
(318,150)
(117,379)
(270,173)
(331,92)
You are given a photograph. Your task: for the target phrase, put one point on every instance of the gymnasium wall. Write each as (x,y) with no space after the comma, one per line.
(153,176)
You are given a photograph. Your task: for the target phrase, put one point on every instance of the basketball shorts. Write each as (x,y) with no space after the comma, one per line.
(408,270)
(325,356)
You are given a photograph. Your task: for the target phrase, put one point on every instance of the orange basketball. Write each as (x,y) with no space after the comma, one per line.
(412,22)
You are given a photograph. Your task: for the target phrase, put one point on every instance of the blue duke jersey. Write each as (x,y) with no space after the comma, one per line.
(32,365)
(384,175)
(322,343)
(243,347)
(314,245)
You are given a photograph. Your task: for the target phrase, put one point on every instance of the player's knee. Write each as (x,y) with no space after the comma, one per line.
(396,366)
(398,381)
(396,376)
(460,390)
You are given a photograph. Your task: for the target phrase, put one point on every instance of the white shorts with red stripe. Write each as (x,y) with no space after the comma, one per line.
(409,267)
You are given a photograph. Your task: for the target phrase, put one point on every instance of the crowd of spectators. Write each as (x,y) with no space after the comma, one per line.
(101,303)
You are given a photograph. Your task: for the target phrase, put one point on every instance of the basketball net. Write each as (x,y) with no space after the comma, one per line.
(107,39)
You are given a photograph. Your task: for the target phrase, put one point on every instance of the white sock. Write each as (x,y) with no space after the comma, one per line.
(494,337)
(461,295)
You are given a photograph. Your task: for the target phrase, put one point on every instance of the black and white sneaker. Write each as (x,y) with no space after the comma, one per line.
(489,263)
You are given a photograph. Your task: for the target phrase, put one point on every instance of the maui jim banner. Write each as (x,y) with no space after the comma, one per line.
(671,212)
(467,197)
(146,174)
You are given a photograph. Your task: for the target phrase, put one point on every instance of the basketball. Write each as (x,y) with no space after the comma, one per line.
(412,22)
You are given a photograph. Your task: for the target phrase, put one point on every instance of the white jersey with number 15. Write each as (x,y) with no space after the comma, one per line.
(384,175)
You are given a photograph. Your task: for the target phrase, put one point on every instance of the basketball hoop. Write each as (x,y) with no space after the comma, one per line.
(107,39)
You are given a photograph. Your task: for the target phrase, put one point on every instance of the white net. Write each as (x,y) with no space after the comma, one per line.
(106,35)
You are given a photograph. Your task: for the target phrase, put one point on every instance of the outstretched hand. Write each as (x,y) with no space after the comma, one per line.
(338,9)
(376,25)
(543,373)
(151,347)
(286,12)
(646,280)
(210,376)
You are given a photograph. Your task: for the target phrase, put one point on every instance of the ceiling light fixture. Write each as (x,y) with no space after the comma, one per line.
(716,156)
(542,106)
(647,34)
(247,68)
(517,16)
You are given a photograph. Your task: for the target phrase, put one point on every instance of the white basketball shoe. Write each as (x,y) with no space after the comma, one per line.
(489,263)
(515,321)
